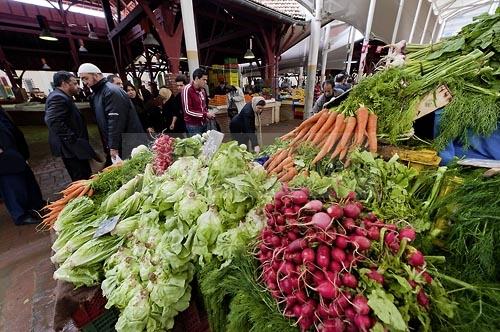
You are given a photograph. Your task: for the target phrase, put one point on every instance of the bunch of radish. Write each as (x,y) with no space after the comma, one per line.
(319,259)
(163,149)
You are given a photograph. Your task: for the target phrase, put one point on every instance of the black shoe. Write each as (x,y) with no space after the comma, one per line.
(29,220)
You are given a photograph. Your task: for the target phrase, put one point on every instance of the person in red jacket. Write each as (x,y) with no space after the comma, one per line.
(194,104)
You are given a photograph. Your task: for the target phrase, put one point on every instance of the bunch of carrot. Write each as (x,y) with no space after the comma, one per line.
(328,129)
(282,165)
(74,190)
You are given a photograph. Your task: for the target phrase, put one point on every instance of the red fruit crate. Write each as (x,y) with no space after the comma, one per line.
(92,316)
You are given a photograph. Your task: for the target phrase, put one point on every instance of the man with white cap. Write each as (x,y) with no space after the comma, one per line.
(114,112)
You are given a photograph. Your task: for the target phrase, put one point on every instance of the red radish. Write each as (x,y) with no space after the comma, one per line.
(318,276)
(299,197)
(286,286)
(427,277)
(289,212)
(308,308)
(376,276)
(305,322)
(349,280)
(412,283)
(341,242)
(349,224)
(292,236)
(297,245)
(343,300)
(361,242)
(305,190)
(275,241)
(308,255)
(373,233)
(321,220)
(278,204)
(313,205)
(361,231)
(327,290)
(416,258)
(296,208)
(297,310)
(351,196)
(371,216)
(351,210)
(333,278)
(301,296)
(335,211)
(407,233)
(335,266)
(362,322)
(338,254)
(350,313)
(359,205)
(323,312)
(269,207)
(360,304)
(422,299)
(280,220)
(322,260)
(297,258)
(287,201)
(334,325)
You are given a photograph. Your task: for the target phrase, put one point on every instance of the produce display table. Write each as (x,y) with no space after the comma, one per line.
(32,114)
(270,115)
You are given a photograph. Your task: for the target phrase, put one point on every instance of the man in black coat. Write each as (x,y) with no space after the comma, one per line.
(68,136)
(18,186)
(115,114)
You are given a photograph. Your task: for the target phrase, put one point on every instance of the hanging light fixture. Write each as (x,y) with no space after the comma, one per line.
(45,34)
(249,54)
(92,34)
(150,40)
(45,65)
(82,48)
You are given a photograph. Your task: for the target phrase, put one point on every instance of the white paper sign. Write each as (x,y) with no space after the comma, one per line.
(214,140)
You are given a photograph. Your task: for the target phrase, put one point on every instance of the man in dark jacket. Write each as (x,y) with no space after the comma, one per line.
(18,186)
(68,136)
(114,112)
(242,126)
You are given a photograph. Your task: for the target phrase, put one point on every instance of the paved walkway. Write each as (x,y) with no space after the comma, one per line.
(26,284)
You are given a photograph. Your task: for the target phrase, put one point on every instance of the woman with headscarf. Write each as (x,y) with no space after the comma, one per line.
(170,112)
(242,125)
(138,103)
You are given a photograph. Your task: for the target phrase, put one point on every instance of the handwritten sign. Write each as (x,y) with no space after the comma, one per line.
(214,140)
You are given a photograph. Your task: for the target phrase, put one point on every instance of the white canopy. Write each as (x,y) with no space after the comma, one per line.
(436,17)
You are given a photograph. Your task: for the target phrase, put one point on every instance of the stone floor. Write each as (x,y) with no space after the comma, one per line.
(26,284)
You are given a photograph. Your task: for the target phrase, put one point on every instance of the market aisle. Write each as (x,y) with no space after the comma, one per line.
(26,285)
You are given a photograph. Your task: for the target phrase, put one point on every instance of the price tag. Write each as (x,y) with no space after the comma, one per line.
(106,226)
(214,140)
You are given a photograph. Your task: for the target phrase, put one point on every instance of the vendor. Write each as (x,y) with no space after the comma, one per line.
(242,126)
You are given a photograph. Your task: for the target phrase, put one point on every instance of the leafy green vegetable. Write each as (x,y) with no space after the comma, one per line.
(382,304)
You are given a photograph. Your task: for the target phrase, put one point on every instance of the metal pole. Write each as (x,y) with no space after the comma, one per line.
(434,30)
(326,43)
(426,23)
(493,7)
(352,35)
(312,62)
(366,40)
(190,35)
(441,30)
(414,25)
(398,19)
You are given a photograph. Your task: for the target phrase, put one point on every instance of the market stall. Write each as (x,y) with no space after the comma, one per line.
(331,228)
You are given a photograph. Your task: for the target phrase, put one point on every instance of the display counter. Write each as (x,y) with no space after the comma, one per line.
(270,114)
(32,114)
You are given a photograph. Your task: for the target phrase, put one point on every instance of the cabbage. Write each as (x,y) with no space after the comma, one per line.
(190,207)
(209,227)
